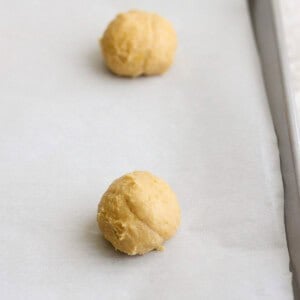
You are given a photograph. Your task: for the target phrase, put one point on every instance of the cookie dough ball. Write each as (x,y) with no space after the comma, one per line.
(138,43)
(138,213)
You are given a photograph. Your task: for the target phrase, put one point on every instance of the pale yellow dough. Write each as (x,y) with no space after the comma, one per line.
(138,43)
(138,213)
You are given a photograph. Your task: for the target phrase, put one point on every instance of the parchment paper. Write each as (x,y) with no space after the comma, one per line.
(68,128)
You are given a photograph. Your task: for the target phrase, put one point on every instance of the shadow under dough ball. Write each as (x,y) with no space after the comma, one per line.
(138,213)
(138,43)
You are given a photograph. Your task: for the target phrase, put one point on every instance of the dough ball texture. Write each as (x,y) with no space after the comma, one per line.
(138,213)
(138,43)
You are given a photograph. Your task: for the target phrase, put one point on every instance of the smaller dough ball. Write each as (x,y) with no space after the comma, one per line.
(138,43)
(138,213)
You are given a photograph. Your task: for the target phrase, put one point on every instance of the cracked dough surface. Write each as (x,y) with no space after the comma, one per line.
(138,213)
(138,43)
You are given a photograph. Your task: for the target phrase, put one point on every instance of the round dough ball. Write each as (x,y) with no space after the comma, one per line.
(138,213)
(138,43)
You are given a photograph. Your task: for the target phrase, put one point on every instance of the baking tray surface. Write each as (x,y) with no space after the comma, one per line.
(69,127)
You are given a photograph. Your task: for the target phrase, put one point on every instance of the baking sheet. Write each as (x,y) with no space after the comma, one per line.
(68,128)
(266,16)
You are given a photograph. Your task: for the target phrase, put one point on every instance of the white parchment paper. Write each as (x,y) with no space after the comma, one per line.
(68,128)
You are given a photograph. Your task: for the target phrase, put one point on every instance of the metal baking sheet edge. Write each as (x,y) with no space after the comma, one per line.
(268,32)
